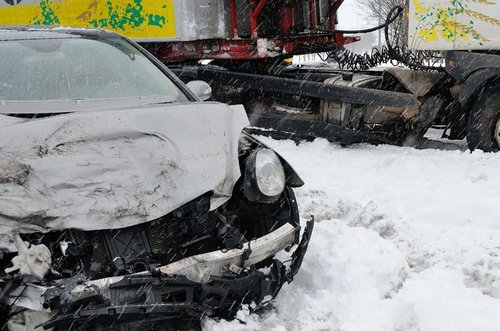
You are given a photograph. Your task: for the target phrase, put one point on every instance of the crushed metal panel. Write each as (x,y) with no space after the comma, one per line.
(111,169)
(417,82)
(199,268)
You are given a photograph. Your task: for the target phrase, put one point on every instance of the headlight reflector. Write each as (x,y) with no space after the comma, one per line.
(269,173)
(264,176)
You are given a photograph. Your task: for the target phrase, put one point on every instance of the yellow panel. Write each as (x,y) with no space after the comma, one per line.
(134,18)
(454,24)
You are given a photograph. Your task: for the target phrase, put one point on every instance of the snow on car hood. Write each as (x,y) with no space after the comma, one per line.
(112,169)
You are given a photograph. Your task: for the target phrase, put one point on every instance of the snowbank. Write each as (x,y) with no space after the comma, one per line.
(405,240)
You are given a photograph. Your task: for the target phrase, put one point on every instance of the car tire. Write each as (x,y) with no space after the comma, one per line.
(483,125)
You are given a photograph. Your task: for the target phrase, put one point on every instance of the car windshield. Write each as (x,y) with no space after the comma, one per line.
(78,68)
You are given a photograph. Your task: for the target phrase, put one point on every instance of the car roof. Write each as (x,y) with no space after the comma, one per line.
(30,32)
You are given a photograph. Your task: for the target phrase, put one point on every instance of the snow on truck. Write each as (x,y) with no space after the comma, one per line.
(248,39)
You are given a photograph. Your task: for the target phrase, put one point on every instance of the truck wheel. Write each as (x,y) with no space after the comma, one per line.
(483,126)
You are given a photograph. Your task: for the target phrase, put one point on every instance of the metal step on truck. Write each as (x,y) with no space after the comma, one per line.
(447,74)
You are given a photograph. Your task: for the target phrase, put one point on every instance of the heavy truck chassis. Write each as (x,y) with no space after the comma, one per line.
(395,106)
(392,106)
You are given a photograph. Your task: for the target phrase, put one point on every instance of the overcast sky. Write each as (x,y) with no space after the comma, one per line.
(351,16)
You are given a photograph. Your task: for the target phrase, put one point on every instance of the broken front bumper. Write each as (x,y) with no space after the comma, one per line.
(214,283)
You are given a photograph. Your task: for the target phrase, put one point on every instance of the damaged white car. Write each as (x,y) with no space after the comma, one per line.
(125,201)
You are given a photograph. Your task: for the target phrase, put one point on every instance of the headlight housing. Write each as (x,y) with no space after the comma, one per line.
(264,176)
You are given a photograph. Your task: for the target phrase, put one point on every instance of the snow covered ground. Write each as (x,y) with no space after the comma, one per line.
(405,239)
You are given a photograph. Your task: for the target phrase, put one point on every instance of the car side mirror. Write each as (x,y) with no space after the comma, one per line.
(200,88)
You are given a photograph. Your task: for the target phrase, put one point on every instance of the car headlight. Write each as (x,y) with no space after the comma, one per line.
(264,176)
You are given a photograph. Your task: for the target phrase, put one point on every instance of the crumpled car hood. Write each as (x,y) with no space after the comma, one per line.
(111,169)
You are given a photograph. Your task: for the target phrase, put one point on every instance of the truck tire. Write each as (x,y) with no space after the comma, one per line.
(483,125)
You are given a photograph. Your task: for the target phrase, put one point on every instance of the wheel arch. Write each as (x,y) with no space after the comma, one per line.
(471,89)
(475,84)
